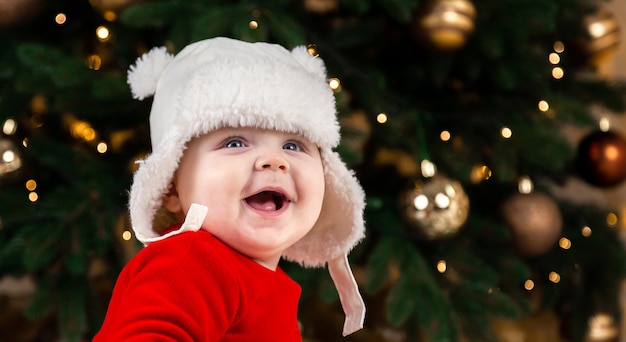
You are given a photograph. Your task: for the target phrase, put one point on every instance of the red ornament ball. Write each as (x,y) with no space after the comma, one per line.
(601,159)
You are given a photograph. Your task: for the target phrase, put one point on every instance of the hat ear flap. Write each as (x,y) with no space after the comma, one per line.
(340,225)
(311,63)
(144,75)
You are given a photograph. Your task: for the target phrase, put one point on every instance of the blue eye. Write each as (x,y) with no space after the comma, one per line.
(234,143)
(292,146)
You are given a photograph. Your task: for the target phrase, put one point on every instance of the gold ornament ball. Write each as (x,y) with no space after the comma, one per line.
(445,24)
(602,328)
(535,222)
(435,207)
(603,36)
(17,12)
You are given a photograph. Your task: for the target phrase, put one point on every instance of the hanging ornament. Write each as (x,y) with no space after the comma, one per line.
(444,25)
(603,37)
(601,159)
(602,328)
(18,12)
(535,222)
(10,159)
(435,207)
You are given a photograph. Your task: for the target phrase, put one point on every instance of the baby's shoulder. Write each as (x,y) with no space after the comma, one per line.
(198,244)
(184,250)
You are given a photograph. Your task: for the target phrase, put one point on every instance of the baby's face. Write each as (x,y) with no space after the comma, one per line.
(264,189)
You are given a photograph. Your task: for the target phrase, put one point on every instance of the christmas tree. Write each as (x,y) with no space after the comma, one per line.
(455,117)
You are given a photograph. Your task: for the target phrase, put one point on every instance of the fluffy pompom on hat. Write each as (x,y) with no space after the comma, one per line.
(222,82)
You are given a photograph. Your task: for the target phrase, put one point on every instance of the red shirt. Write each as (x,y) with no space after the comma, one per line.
(192,287)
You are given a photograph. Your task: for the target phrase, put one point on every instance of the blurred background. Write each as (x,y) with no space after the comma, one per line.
(489,136)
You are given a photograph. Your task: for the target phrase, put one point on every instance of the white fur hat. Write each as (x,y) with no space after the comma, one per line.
(222,82)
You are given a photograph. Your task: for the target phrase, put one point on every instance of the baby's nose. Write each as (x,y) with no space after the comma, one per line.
(272,161)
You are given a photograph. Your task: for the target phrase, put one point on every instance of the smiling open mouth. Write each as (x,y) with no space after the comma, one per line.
(267,201)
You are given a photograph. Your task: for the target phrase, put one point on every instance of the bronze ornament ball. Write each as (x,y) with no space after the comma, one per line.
(435,208)
(535,222)
(601,159)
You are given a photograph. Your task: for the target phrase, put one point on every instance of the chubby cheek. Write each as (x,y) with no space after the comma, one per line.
(206,190)
(315,187)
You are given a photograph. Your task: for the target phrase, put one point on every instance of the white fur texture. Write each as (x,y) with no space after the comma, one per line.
(314,65)
(144,75)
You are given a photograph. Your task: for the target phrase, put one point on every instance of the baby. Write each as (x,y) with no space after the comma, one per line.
(242,137)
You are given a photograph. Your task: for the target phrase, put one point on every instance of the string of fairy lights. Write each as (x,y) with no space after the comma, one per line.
(482,172)
(78,129)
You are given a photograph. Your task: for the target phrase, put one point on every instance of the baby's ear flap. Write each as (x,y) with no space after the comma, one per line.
(340,225)
(311,63)
(144,75)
